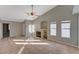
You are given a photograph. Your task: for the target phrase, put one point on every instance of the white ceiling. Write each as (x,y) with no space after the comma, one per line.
(18,12)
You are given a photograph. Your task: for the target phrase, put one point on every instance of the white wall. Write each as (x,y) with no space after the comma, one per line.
(78,28)
(23,29)
(0,30)
(15,28)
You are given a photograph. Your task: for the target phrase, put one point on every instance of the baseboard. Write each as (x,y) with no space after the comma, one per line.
(65,43)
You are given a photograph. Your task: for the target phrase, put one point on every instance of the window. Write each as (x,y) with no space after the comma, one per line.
(65,29)
(31,28)
(53,28)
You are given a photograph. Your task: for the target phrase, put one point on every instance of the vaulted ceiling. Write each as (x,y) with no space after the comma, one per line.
(18,12)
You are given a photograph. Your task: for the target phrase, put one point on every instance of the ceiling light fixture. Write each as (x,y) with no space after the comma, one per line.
(32,13)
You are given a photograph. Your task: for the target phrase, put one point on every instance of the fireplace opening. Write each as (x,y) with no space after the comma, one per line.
(38,34)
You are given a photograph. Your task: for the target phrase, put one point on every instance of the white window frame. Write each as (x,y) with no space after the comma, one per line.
(53,29)
(31,28)
(66,29)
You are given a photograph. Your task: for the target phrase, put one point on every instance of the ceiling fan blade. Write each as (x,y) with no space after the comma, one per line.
(32,13)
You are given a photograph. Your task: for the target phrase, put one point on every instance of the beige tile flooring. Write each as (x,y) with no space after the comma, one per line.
(21,45)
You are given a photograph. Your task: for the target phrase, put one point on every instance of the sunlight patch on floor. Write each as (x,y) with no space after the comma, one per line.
(32,40)
(25,40)
(20,51)
(18,40)
(31,43)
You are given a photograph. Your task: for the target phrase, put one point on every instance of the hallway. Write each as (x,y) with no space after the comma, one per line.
(20,45)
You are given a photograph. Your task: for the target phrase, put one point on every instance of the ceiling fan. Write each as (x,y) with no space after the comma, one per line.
(32,13)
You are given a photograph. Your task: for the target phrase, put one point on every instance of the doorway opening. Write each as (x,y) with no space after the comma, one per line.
(6,31)
(31,29)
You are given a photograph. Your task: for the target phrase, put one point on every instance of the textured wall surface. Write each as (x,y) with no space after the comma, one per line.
(58,14)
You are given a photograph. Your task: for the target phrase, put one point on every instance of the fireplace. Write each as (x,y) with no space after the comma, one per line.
(38,34)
